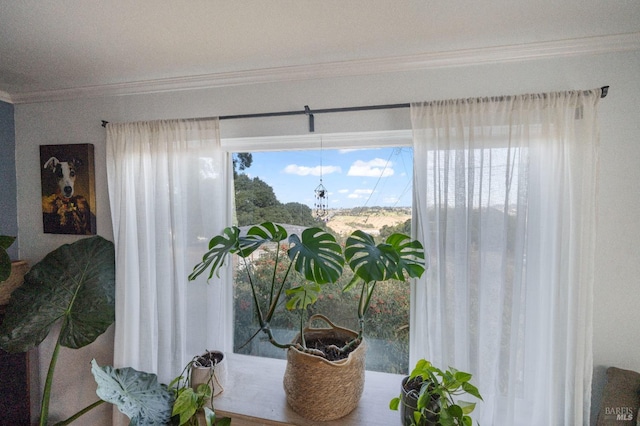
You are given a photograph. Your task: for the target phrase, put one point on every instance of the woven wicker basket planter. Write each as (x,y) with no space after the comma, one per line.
(319,389)
(15,280)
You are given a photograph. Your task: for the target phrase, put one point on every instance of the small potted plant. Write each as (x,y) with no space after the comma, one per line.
(194,392)
(146,402)
(316,372)
(209,368)
(429,397)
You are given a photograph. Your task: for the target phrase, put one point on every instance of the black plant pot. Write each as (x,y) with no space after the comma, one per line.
(409,402)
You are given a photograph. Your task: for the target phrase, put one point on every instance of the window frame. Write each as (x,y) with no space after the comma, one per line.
(328,141)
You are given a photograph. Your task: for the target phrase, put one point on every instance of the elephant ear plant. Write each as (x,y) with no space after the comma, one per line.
(147,402)
(318,257)
(73,285)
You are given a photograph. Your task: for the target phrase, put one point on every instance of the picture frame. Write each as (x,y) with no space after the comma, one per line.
(68,189)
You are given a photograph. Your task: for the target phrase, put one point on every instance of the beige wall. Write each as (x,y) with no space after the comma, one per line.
(616,296)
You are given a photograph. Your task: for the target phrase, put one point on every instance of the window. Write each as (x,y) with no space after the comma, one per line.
(368,189)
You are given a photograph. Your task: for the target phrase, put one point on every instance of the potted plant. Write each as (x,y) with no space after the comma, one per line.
(146,402)
(209,368)
(314,371)
(429,397)
(73,285)
(11,273)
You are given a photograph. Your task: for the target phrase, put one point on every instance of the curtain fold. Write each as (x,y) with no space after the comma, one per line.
(504,200)
(168,188)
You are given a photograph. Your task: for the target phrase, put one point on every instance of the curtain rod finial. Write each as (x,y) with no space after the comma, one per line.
(104,123)
(604,91)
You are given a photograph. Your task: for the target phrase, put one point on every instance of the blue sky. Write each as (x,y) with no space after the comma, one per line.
(353,178)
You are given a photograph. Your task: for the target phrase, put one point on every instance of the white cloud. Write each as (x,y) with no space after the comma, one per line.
(390,200)
(373,168)
(346,151)
(294,169)
(360,193)
(343,191)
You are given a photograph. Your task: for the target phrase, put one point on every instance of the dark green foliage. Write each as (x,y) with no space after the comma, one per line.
(438,397)
(257,203)
(74,284)
(5,261)
(241,161)
(400,228)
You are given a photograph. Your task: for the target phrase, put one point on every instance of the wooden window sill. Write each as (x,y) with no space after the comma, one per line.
(254,395)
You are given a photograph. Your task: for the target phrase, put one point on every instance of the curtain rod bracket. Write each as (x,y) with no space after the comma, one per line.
(308,112)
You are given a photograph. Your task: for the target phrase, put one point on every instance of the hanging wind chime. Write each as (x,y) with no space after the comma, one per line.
(322,196)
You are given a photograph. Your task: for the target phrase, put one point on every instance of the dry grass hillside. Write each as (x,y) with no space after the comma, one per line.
(371,220)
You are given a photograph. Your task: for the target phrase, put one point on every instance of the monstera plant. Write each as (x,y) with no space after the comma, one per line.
(319,259)
(304,265)
(74,286)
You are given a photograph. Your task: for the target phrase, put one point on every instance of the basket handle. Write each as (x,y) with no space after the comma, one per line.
(321,317)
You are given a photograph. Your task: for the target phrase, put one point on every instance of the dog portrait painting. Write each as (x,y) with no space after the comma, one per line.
(68,189)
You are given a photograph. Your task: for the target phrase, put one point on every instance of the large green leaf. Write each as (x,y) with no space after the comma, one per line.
(303,295)
(410,256)
(368,261)
(267,232)
(317,256)
(220,247)
(136,394)
(74,284)
(5,260)
(230,242)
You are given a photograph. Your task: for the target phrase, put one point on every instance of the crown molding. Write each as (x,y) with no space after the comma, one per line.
(425,61)
(5,97)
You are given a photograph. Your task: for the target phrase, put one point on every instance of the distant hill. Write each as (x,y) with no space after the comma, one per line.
(368,219)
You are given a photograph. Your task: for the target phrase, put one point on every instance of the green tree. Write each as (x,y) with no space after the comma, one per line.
(402,228)
(241,161)
(256,203)
(301,214)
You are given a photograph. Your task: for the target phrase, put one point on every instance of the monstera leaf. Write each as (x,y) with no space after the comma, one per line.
(219,247)
(136,394)
(74,284)
(267,232)
(317,256)
(411,256)
(370,262)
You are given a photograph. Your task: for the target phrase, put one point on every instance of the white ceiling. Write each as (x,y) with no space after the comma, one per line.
(49,46)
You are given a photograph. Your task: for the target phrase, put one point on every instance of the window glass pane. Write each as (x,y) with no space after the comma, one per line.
(367,189)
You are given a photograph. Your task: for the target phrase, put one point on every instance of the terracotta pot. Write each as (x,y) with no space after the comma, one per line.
(319,389)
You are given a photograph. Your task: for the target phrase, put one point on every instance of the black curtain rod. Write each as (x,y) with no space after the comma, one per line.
(307,111)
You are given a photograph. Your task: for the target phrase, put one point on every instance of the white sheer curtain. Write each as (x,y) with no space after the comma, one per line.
(505,203)
(168,189)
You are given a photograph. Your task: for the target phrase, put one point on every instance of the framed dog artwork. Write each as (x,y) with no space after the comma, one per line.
(68,189)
